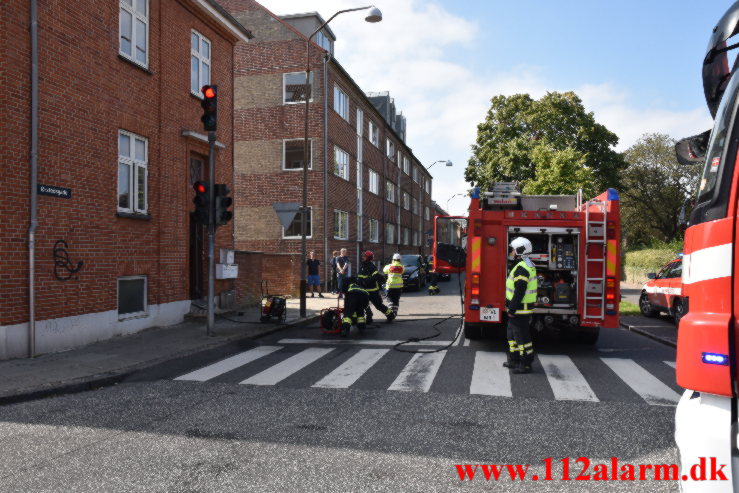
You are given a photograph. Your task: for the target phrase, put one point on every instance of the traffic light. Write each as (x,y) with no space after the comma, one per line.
(223,202)
(210,107)
(201,202)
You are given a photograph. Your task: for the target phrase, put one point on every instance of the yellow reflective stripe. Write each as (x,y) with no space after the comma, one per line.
(520,278)
(611,258)
(528,344)
(476,251)
(524,312)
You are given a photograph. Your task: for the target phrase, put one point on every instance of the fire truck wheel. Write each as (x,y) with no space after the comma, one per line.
(588,335)
(646,307)
(472,331)
(678,311)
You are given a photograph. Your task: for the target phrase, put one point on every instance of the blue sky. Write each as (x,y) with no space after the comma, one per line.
(635,64)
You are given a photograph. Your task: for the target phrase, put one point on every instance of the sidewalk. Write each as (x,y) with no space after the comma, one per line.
(106,362)
(658,329)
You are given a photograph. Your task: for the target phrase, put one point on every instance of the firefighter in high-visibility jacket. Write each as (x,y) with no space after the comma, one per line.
(521,288)
(370,279)
(356,301)
(394,272)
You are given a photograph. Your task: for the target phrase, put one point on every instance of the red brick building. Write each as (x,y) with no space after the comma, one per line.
(366,189)
(119,144)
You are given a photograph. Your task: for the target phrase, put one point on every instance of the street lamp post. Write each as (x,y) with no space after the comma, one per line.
(450,198)
(374,15)
(420,188)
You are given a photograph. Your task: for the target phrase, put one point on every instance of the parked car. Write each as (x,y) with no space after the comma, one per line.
(430,264)
(663,292)
(415,271)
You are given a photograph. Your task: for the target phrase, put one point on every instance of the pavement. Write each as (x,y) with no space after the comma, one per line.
(661,329)
(107,362)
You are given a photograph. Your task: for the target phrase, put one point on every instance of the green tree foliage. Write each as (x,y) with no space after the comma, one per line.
(655,188)
(550,145)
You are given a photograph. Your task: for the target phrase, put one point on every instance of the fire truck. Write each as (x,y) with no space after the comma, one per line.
(576,251)
(706,423)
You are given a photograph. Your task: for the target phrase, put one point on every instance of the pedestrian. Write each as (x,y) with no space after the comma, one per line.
(334,281)
(394,272)
(355,304)
(521,288)
(314,277)
(370,279)
(343,270)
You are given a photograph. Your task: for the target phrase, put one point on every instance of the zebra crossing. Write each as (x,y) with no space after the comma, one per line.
(419,371)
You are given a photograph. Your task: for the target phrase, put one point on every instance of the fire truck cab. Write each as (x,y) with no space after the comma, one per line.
(575,251)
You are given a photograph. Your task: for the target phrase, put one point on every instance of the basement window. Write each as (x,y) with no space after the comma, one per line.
(131,297)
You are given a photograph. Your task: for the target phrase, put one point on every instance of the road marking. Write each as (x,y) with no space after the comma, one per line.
(458,342)
(489,376)
(228,364)
(567,383)
(466,342)
(642,382)
(419,373)
(367,342)
(670,363)
(284,369)
(353,368)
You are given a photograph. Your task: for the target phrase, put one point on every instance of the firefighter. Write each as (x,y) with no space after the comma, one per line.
(356,301)
(370,279)
(433,283)
(394,272)
(521,287)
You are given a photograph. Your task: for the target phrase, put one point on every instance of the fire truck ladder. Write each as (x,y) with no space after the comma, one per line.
(595,234)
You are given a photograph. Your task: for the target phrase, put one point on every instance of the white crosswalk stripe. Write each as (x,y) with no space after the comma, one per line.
(642,382)
(419,373)
(670,363)
(489,376)
(567,383)
(228,364)
(353,368)
(293,364)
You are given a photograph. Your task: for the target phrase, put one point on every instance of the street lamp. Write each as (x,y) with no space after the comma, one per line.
(450,198)
(374,15)
(420,195)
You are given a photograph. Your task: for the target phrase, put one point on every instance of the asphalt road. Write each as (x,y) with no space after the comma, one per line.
(302,411)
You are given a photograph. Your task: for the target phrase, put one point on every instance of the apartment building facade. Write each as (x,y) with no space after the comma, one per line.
(366,189)
(108,173)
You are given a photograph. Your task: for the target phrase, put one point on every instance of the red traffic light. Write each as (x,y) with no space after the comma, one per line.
(208,92)
(200,187)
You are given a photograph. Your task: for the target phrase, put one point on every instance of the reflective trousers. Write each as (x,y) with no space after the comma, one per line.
(520,347)
(376,299)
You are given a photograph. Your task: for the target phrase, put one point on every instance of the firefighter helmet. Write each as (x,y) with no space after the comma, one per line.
(368,255)
(521,245)
(396,256)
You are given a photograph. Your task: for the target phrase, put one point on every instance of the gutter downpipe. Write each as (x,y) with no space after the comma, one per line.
(33,183)
(326,267)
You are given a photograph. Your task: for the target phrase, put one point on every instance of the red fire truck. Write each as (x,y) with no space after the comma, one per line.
(576,251)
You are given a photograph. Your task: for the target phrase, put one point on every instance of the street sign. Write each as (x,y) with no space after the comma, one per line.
(61,192)
(286,212)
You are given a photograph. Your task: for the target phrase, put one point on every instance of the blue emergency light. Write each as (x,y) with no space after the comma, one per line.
(716,359)
(612,194)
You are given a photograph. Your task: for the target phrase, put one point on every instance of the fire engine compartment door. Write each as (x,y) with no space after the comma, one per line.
(450,244)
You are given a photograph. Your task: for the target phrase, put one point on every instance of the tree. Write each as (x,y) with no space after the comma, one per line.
(527,140)
(655,188)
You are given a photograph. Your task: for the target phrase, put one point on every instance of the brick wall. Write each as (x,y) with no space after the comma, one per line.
(247,285)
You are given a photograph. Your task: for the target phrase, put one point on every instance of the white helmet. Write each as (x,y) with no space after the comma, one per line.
(522,246)
(396,256)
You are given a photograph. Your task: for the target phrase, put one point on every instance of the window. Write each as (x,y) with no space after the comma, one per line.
(131,297)
(134,30)
(415,238)
(341,103)
(341,225)
(374,134)
(389,233)
(132,172)
(415,174)
(406,236)
(406,166)
(341,163)
(390,191)
(390,150)
(292,154)
(293,87)
(428,187)
(374,182)
(294,230)
(406,201)
(415,206)
(324,42)
(426,214)
(199,62)
(374,231)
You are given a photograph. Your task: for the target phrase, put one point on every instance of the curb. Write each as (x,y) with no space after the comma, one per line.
(649,335)
(112,377)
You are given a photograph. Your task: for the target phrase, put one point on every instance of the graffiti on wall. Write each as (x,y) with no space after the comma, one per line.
(64,268)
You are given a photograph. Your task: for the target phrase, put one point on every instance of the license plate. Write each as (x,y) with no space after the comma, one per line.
(489,314)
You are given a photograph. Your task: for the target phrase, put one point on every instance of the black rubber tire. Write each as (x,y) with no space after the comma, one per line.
(588,335)
(472,331)
(678,311)
(645,307)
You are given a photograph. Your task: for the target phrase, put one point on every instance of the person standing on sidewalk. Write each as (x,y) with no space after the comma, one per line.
(394,272)
(370,279)
(343,270)
(314,278)
(334,288)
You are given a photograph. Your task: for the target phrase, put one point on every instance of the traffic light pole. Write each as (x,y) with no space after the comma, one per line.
(211,232)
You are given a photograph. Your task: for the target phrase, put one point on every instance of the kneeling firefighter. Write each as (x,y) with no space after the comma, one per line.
(356,301)
(433,283)
(521,287)
(370,279)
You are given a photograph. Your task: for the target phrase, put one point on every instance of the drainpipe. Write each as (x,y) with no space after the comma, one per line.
(326,59)
(33,184)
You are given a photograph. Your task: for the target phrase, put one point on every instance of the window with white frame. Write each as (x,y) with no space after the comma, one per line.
(374,134)
(390,148)
(341,225)
(415,238)
(341,163)
(406,236)
(294,230)
(199,62)
(426,214)
(374,231)
(341,103)
(324,42)
(132,172)
(390,191)
(415,206)
(415,174)
(406,166)
(131,297)
(406,201)
(293,155)
(389,233)
(133,30)
(374,182)
(428,187)
(294,89)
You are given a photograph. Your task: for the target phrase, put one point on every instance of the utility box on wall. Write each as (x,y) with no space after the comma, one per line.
(227,271)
